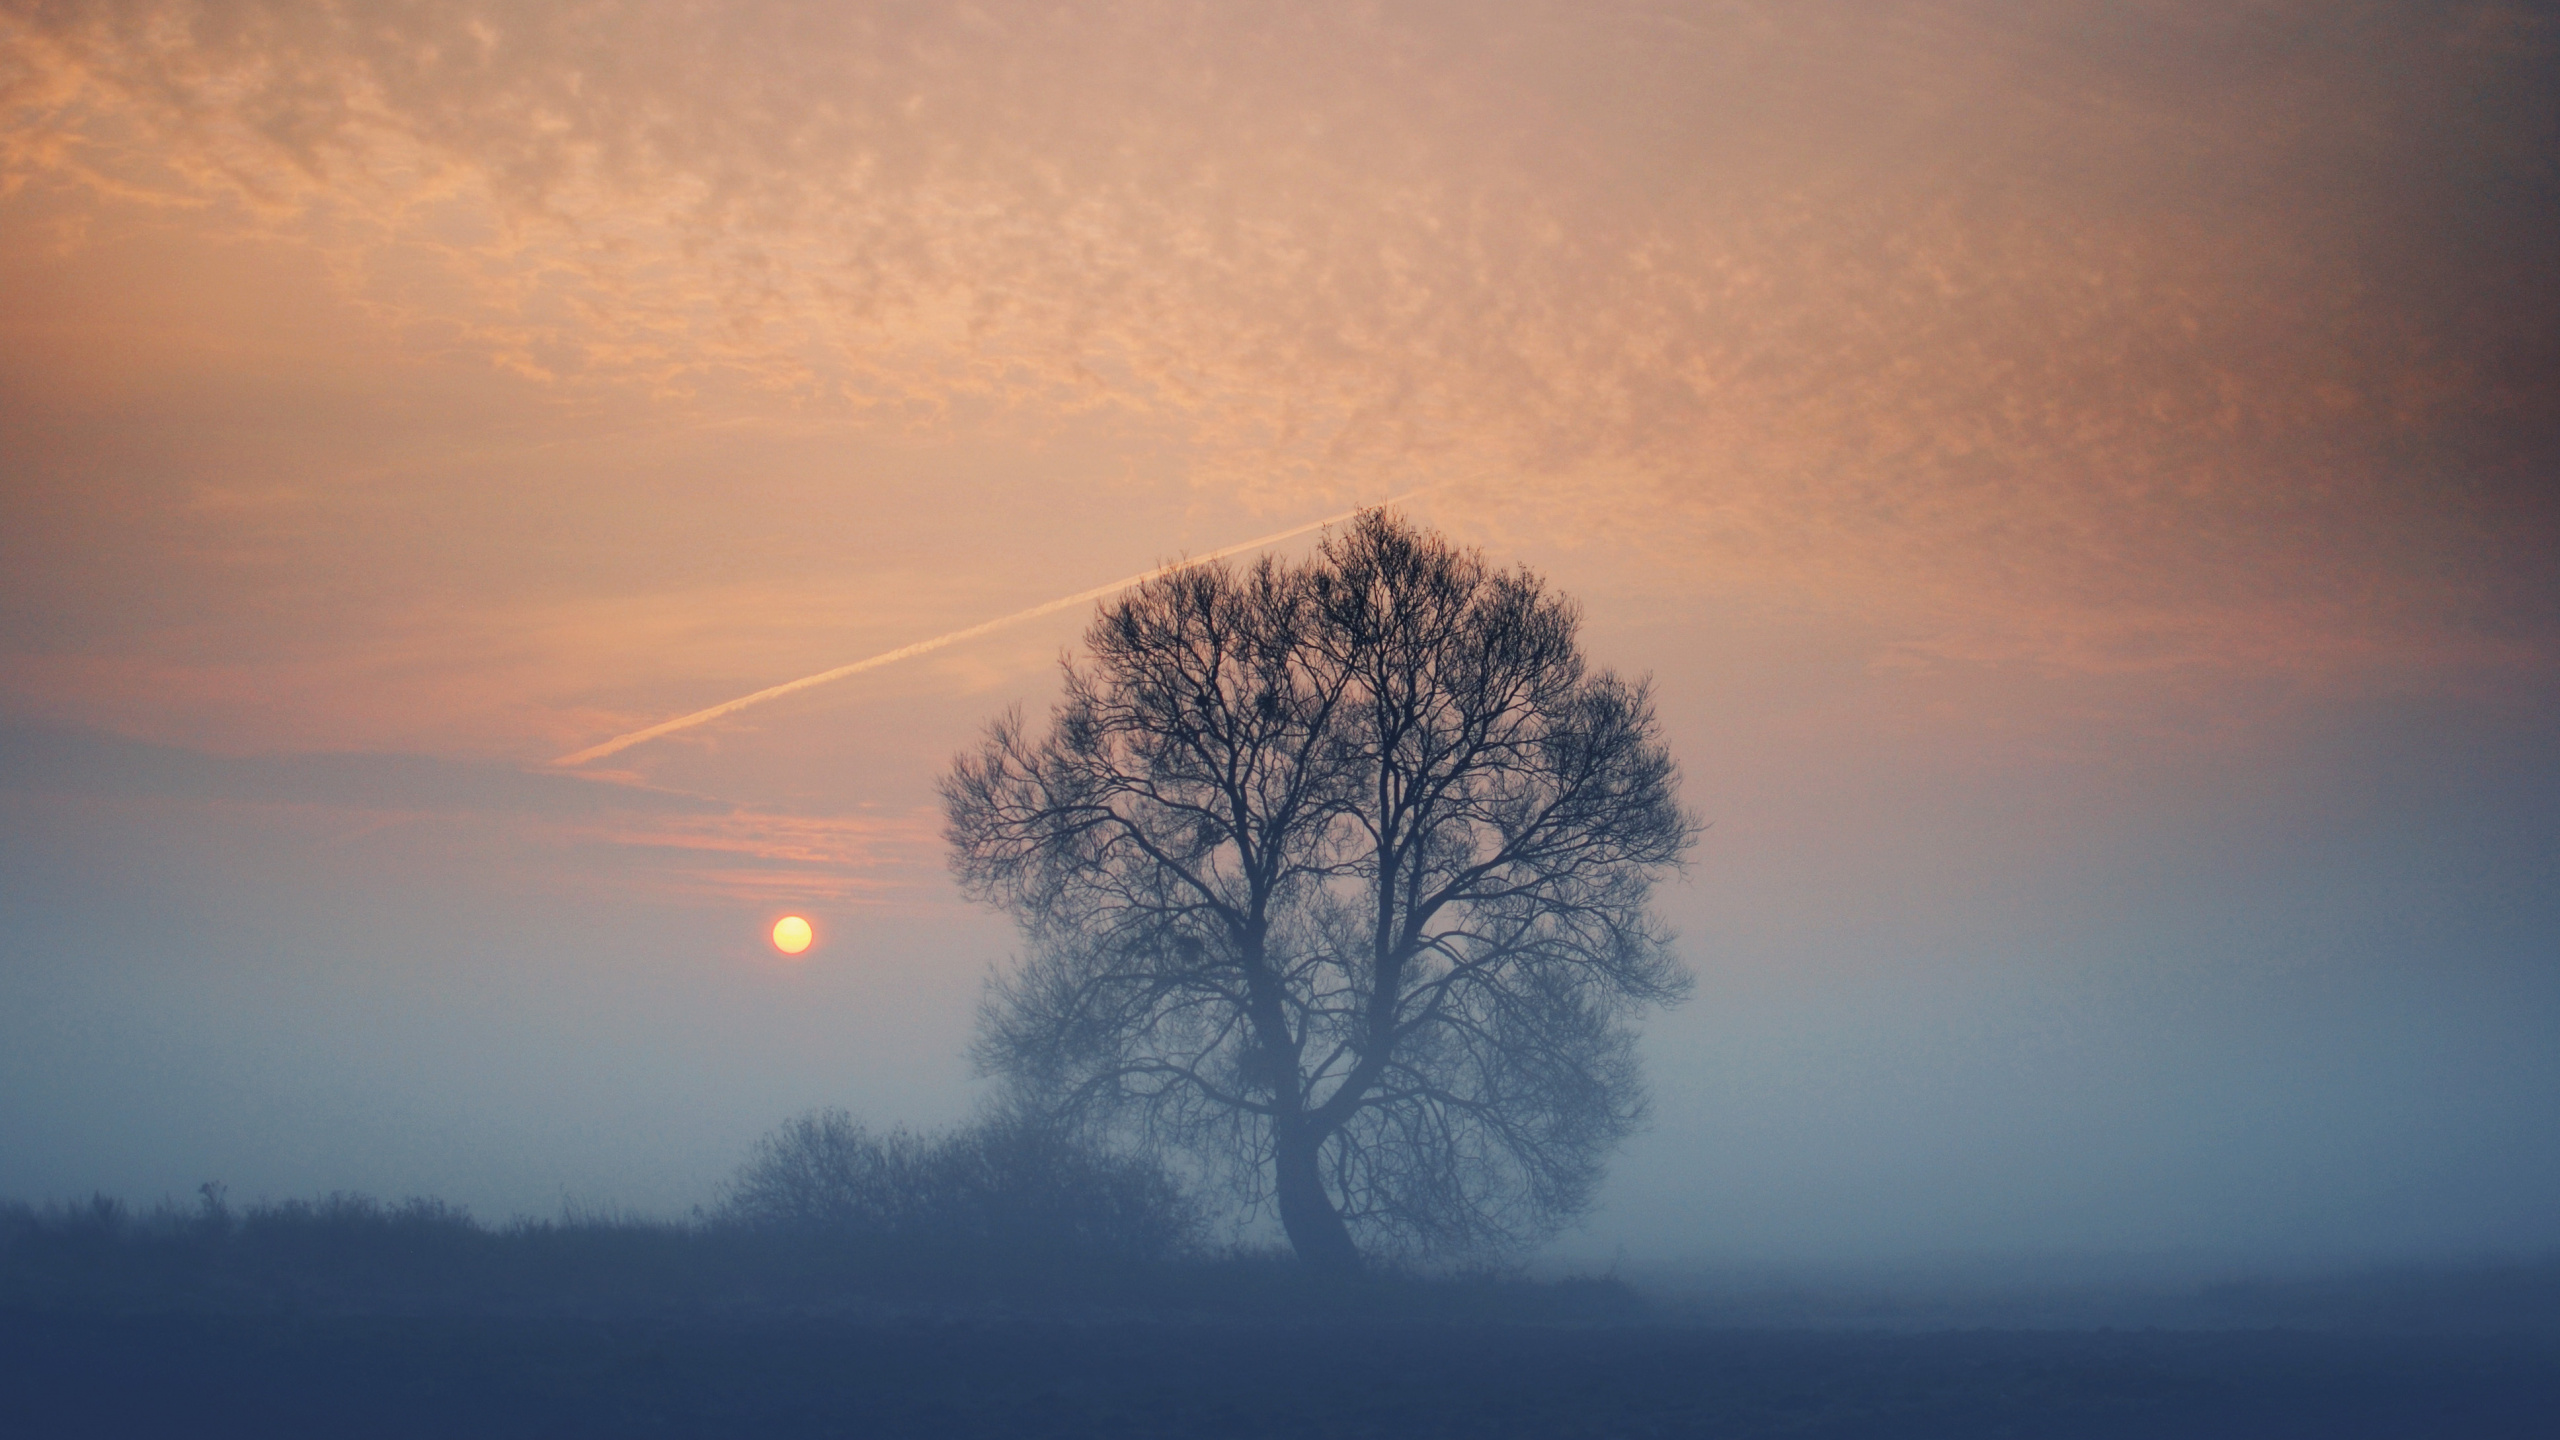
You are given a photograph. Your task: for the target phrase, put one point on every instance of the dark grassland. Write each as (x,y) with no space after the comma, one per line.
(345,1317)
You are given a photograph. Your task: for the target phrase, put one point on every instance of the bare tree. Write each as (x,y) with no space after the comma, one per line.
(1336,874)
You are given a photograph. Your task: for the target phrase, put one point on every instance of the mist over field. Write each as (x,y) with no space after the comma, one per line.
(2080,478)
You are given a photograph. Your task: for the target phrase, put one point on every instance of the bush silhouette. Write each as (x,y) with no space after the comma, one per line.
(1007,1185)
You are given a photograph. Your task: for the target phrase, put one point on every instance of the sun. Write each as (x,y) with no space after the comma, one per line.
(791,934)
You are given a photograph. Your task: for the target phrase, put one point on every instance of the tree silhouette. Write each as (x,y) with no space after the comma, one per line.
(1335,874)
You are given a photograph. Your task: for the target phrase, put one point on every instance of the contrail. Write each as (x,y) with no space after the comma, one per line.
(776,692)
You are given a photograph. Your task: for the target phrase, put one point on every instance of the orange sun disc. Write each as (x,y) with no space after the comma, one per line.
(791,934)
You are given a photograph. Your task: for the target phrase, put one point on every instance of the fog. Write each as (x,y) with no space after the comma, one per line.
(2078,476)
(2241,1004)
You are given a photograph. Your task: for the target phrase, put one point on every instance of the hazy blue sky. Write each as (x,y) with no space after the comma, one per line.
(2080,474)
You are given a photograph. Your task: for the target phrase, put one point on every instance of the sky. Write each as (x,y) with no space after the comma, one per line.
(2080,475)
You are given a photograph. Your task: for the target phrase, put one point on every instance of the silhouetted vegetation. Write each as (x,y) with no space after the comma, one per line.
(1336,876)
(348,1316)
(1009,1186)
(825,1217)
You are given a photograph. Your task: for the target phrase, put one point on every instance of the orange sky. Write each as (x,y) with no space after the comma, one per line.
(1931,389)
(563,373)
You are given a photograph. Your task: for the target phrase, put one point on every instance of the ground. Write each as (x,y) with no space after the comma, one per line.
(79,1374)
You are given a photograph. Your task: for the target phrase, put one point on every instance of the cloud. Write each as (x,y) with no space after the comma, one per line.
(74,763)
(867,862)
(454,824)
(2095,336)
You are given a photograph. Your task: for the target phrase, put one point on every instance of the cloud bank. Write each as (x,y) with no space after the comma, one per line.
(2104,337)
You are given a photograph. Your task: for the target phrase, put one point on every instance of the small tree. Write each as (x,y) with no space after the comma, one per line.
(1336,874)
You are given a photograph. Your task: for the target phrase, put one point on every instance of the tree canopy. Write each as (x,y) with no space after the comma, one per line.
(1335,874)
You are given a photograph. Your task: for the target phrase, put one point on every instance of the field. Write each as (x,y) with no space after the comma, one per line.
(194,1374)
(417,1323)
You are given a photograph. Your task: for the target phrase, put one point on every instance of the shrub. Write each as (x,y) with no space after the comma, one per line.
(1010,1185)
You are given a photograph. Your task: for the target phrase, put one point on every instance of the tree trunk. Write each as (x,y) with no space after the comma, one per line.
(1314,1227)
